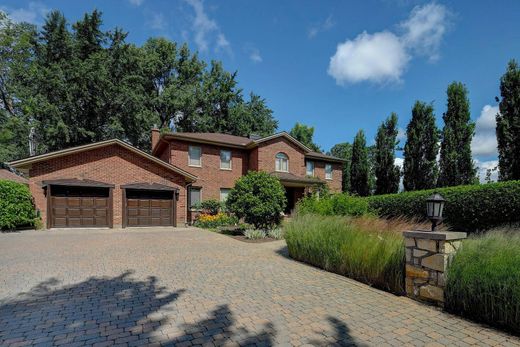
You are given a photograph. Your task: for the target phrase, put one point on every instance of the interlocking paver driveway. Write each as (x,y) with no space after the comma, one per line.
(191,287)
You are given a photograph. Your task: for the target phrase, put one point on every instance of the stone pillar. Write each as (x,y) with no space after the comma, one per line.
(427,256)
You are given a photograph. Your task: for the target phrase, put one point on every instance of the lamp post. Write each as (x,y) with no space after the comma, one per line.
(434,208)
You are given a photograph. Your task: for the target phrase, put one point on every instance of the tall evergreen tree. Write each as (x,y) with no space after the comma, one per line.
(456,163)
(359,169)
(304,134)
(508,124)
(387,173)
(82,84)
(421,148)
(344,151)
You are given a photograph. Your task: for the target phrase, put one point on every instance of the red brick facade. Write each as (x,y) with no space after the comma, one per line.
(211,178)
(111,164)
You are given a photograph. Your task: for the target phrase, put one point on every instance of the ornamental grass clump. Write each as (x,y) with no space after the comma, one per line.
(367,249)
(483,279)
(254,234)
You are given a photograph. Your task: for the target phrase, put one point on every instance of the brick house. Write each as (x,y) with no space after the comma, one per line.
(113,184)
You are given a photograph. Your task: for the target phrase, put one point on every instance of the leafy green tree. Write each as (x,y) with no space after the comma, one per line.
(508,124)
(386,172)
(359,170)
(343,151)
(456,163)
(16,52)
(304,134)
(79,84)
(421,148)
(259,198)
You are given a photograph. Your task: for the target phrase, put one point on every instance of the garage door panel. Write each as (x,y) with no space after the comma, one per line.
(59,211)
(73,202)
(100,212)
(87,212)
(132,203)
(100,203)
(149,208)
(79,207)
(73,212)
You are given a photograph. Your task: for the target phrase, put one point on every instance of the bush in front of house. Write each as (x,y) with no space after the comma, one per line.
(211,221)
(259,199)
(483,279)
(367,249)
(16,206)
(211,207)
(468,208)
(335,204)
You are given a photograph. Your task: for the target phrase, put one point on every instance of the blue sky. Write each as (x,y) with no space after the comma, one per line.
(336,65)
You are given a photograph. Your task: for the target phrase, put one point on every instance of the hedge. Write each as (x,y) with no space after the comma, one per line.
(16,206)
(468,208)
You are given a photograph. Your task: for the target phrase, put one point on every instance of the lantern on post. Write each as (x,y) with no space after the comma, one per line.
(434,208)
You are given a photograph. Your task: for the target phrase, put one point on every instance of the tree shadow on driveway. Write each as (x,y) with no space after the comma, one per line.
(113,310)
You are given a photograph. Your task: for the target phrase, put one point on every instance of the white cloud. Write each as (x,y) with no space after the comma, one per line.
(254,55)
(321,27)
(401,134)
(206,29)
(157,21)
(136,2)
(383,56)
(378,57)
(485,141)
(425,28)
(484,166)
(34,13)
(399,162)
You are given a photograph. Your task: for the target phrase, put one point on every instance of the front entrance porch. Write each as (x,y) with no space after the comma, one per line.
(296,188)
(293,194)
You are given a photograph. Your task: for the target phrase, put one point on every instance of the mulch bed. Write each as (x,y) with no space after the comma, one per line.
(243,239)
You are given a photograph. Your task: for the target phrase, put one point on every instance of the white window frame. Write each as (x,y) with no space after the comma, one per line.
(328,175)
(190,147)
(230,160)
(200,197)
(224,189)
(307,163)
(278,167)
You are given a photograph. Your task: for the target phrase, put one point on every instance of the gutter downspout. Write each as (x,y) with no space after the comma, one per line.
(187,211)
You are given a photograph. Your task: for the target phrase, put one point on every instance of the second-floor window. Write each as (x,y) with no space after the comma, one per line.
(194,156)
(225,160)
(282,162)
(310,168)
(328,171)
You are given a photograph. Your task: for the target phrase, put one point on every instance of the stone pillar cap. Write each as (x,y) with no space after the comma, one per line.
(435,235)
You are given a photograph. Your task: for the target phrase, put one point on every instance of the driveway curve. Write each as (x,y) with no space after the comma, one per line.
(193,287)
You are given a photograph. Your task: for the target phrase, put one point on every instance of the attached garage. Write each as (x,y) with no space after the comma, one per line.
(106,184)
(76,203)
(149,205)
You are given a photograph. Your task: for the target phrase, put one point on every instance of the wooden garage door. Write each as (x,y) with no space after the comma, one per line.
(149,208)
(79,207)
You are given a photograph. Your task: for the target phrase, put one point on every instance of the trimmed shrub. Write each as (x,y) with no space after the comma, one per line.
(483,280)
(209,221)
(336,204)
(254,234)
(468,208)
(16,206)
(367,249)
(259,198)
(211,207)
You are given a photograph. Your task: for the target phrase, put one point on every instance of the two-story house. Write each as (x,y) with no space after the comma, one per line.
(218,160)
(113,184)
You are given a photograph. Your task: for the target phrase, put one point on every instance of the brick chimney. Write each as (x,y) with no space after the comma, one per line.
(156,135)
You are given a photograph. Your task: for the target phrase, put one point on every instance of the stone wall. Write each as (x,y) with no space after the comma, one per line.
(427,257)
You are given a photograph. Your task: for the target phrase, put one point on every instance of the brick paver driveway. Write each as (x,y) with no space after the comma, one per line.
(190,287)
